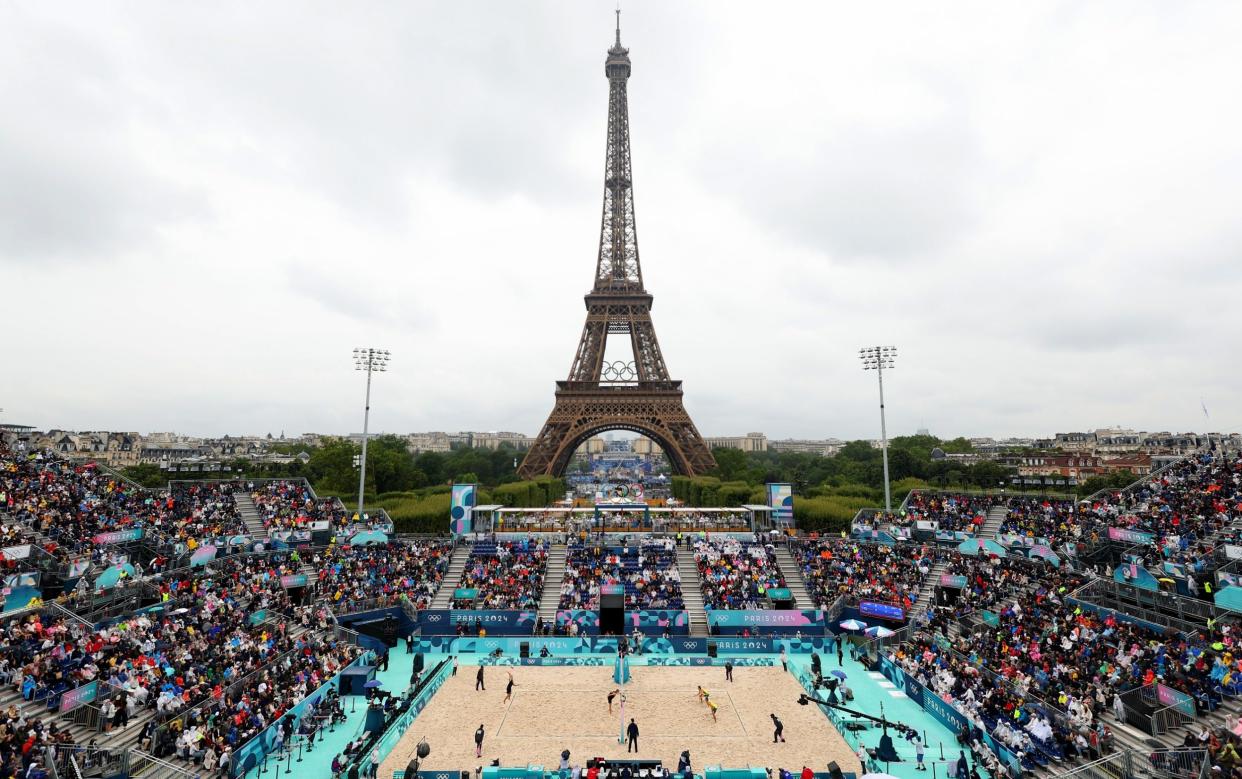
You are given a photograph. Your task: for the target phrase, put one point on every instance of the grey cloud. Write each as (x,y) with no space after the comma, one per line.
(864,193)
(359,103)
(1084,330)
(998,196)
(63,206)
(344,293)
(74,184)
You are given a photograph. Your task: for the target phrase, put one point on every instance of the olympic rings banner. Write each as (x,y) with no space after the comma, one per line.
(443,622)
(560,646)
(766,621)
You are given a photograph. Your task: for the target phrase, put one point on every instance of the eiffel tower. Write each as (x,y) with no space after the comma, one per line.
(618,395)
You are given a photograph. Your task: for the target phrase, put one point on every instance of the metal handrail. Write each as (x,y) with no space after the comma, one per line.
(1183,760)
(106,468)
(1137,482)
(410,610)
(1168,718)
(370,604)
(1093,592)
(69,615)
(861,517)
(345,634)
(146,761)
(874,647)
(834,609)
(1112,766)
(88,715)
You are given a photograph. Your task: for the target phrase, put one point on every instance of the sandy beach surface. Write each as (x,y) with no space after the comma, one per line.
(557,708)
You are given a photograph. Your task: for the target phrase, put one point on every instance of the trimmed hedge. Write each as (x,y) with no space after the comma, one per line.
(710,491)
(536,493)
(829,514)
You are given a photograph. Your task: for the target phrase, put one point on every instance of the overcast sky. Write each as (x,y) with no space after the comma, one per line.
(205,206)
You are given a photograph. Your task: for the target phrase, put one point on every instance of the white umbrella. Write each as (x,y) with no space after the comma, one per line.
(879,631)
(853,624)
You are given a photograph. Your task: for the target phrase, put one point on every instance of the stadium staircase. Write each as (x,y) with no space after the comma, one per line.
(692,592)
(249,514)
(146,766)
(996,516)
(457,566)
(126,738)
(928,588)
(37,710)
(793,578)
(551,597)
(32,535)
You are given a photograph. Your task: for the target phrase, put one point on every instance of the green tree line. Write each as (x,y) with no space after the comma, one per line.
(413,489)
(829,491)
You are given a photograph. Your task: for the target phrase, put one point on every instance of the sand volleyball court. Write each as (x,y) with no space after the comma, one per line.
(556,708)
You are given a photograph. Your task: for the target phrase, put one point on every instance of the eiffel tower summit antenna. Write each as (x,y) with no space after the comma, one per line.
(635,395)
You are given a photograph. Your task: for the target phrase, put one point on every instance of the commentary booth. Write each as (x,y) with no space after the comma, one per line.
(483,518)
(760,517)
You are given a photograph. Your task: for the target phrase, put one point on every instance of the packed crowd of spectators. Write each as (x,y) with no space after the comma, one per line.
(28,747)
(223,653)
(991,705)
(648,572)
(201,650)
(179,657)
(954,512)
(504,575)
(832,568)
(206,509)
(1053,519)
(348,576)
(207,737)
(34,660)
(69,505)
(200,636)
(736,574)
(214,653)
(1190,501)
(289,505)
(14,533)
(1041,675)
(991,582)
(1223,746)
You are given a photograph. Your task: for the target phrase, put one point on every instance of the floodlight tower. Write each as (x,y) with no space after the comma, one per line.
(878,358)
(371,361)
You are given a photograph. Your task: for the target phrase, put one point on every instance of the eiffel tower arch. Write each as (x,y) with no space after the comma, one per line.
(600,394)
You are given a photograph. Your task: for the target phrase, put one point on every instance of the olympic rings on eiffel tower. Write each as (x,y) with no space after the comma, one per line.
(618,371)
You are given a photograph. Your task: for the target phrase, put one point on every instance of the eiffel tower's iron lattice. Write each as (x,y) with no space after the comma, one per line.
(617,395)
